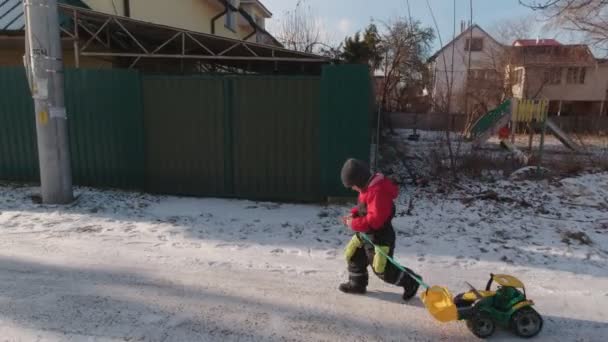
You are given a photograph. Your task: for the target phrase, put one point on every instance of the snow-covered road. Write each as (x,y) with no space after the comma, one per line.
(119,266)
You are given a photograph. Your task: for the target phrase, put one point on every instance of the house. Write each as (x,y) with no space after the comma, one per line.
(569,76)
(233,19)
(237,19)
(472,65)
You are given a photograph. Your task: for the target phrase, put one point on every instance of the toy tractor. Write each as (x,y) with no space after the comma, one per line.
(482,310)
(507,306)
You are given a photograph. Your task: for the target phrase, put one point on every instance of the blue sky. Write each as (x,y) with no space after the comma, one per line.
(344,17)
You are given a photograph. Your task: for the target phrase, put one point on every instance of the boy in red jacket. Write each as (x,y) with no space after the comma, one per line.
(373,216)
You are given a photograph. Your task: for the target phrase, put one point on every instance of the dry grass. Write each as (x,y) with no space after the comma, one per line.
(477,163)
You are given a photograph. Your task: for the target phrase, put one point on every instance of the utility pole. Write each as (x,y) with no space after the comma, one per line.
(44,65)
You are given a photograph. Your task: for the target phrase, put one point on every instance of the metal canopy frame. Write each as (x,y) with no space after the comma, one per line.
(97,34)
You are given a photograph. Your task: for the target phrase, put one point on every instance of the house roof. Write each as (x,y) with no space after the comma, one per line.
(463,33)
(12,17)
(259,4)
(536,42)
(249,19)
(560,55)
(602,60)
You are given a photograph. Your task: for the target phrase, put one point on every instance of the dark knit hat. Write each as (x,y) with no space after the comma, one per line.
(355,173)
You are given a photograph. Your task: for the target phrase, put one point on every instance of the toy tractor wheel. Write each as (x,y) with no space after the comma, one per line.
(481,325)
(526,322)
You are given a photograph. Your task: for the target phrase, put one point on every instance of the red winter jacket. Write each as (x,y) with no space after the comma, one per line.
(377,202)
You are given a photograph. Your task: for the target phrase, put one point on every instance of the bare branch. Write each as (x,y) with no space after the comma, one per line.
(589,17)
(300,29)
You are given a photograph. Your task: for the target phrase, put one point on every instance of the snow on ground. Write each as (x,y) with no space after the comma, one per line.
(124,266)
(431,152)
(590,143)
(594,144)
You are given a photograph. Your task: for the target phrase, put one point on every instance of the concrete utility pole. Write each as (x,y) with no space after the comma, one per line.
(44,65)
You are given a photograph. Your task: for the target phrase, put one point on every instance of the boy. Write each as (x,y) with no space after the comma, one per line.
(372,216)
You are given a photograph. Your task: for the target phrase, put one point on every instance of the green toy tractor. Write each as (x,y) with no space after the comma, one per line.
(507,306)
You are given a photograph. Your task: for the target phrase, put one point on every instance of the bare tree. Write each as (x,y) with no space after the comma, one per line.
(300,29)
(404,48)
(589,17)
(507,31)
(450,84)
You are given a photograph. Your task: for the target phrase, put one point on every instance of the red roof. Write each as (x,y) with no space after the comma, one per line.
(536,42)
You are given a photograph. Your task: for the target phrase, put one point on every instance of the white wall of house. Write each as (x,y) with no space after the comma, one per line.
(592,88)
(487,58)
(195,15)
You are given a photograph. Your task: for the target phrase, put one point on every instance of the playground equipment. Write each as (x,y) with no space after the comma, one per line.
(562,136)
(515,112)
(532,113)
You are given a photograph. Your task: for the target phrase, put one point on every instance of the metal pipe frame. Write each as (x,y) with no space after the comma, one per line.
(80,22)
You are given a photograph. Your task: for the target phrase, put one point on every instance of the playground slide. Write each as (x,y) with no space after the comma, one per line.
(489,124)
(562,136)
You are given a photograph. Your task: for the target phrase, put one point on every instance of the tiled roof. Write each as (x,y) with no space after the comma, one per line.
(554,55)
(12,17)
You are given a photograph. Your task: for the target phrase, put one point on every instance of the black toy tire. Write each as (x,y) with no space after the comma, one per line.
(481,325)
(410,290)
(526,322)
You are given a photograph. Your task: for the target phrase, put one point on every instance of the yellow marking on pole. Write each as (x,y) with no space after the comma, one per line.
(43,117)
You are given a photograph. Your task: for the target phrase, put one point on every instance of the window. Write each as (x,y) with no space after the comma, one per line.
(553,76)
(475,45)
(576,75)
(231,16)
(572,75)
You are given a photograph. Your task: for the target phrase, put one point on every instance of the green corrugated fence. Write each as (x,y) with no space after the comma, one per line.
(105,128)
(257,137)
(247,136)
(345,122)
(18,151)
(275,130)
(185,135)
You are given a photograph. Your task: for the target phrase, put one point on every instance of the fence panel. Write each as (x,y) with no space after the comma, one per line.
(185,136)
(276,137)
(105,127)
